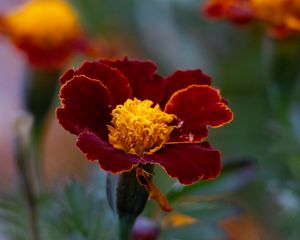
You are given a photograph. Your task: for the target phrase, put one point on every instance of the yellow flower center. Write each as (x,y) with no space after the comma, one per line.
(43,22)
(138,128)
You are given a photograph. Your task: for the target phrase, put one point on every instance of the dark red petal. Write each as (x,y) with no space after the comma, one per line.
(214,10)
(109,158)
(46,58)
(197,107)
(68,75)
(182,79)
(240,13)
(280,31)
(188,162)
(115,82)
(86,104)
(144,81)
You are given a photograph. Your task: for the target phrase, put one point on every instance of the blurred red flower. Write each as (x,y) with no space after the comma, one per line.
(114,107)
(236,11)
(47,31)
(282,17)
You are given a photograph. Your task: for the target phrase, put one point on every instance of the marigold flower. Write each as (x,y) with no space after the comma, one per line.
(47,31)
(126,115)
(281,16)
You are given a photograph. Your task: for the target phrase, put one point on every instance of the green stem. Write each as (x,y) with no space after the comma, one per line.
(24,168)
(125,227)
(127,198)
(41,88)
(30,201)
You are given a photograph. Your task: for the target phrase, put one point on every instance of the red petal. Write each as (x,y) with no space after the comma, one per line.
(239,12)
(86,104)
(144,81)
(182,79)
(53,57)
(68,75)
(214,9)
(188,162)
(115,82)
(197,107)
(109,158)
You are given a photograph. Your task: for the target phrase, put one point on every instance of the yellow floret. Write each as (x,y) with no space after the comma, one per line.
(139,128)
(44,22)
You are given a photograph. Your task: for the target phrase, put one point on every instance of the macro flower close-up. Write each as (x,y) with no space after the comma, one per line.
(48,32)
(280,16)
(147,119)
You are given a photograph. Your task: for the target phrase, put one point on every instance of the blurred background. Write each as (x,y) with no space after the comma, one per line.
(257,194)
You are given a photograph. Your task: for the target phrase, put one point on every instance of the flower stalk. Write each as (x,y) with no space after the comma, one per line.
(24,166)
(127,198)
(40,89)
(41,86)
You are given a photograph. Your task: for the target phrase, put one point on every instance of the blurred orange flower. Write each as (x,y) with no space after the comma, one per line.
(48,31)
(282,17)
(243,227)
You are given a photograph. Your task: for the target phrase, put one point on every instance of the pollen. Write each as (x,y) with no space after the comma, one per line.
(137,127)
(46,23)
